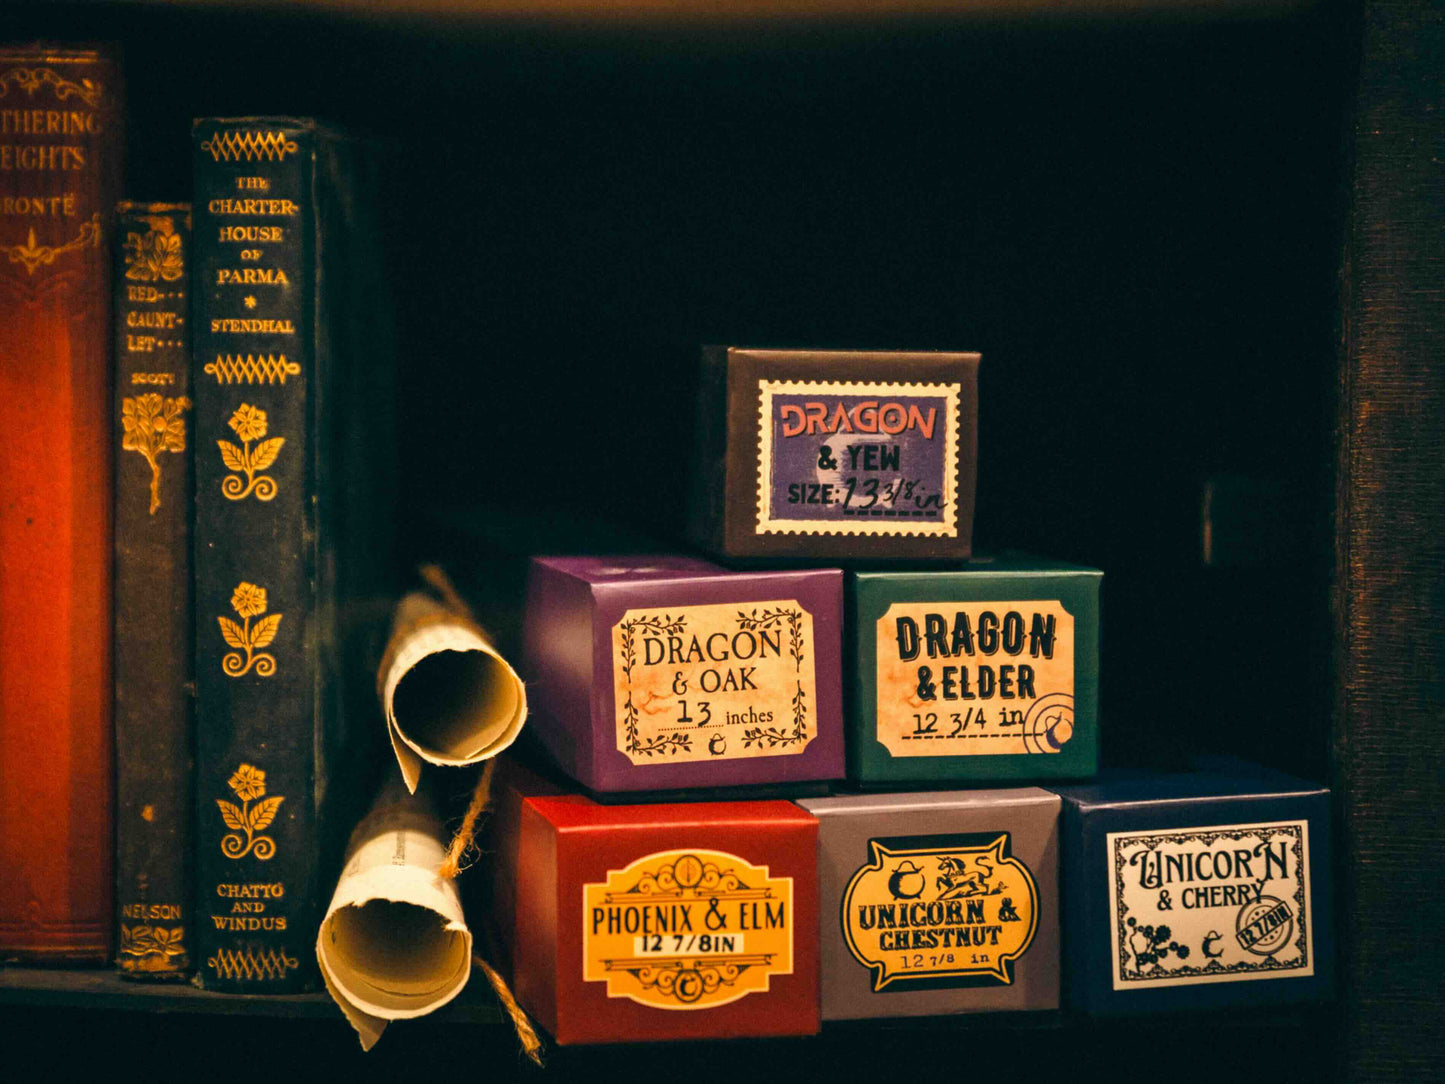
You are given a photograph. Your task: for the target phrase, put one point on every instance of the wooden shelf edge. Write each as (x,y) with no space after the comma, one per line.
(104,989)
(723,13)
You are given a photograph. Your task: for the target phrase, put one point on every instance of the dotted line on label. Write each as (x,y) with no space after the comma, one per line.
(951,737)
(885,512)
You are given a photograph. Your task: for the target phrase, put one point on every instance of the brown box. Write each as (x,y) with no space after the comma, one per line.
(836,454)
(936,903)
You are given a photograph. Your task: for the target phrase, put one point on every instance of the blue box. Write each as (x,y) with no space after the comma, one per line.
(1199,890)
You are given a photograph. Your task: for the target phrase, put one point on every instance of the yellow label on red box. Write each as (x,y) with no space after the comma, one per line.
(975,678)
(944,910)
(687,929)
(720,682)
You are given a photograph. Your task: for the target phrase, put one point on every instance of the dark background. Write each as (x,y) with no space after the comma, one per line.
(1136,220)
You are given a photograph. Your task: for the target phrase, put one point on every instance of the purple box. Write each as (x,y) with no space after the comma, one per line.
(659,673)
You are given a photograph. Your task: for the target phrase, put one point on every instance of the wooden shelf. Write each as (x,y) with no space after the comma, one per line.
(104,989)
(655,12)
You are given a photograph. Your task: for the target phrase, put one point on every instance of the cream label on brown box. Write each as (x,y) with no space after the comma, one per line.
(975,678)
(718,682)
(948,910)
(861,458)
(1218,904)
(687,929)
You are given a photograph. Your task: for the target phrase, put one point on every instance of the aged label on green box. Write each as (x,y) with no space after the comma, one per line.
(984,671)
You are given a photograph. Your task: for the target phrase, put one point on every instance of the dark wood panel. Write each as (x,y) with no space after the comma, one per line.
(1390,714)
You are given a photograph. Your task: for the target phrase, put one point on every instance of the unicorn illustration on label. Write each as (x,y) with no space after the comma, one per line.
(957,881)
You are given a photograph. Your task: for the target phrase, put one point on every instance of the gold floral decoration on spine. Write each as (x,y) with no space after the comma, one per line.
(249,601)
(32,79)
(153,425)
(143,941)
(35,256)
(249,424)
(249,783)
(154,256)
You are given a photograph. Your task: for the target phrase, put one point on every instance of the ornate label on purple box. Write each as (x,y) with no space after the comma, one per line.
(719,682)
(1218,904)
(857,458)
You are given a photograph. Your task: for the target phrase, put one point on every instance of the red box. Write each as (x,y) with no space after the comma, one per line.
(649,922)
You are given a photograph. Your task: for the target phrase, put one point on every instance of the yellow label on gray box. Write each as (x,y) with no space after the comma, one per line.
(956,908)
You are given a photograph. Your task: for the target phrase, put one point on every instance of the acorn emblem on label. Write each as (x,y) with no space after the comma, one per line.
(907,882)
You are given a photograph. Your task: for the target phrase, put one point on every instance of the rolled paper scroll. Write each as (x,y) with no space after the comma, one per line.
(449,698)
(394,943)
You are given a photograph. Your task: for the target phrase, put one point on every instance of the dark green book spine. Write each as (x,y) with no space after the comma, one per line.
(153,423)
(255,555)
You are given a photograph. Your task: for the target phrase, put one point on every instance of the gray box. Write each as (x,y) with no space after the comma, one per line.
(939,902)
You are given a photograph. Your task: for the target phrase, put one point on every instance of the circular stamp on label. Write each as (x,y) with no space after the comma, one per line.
(1049,723)
(1264,926)
(688,871)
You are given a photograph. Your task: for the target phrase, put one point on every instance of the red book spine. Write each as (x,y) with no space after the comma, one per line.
(60,144)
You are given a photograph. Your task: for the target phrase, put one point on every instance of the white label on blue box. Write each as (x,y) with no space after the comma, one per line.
(1222,903)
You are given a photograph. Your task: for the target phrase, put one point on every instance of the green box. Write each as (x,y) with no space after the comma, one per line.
(985,671)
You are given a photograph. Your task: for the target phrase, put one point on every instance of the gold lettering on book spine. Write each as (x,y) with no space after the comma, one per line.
(249,964)
(249,601)
(249,146)
(249,424)
(154,425)
(35,256)
(249,783)
(250,369)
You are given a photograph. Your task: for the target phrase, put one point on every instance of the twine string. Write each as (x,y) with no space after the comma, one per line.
(464,842)
(531,1042)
